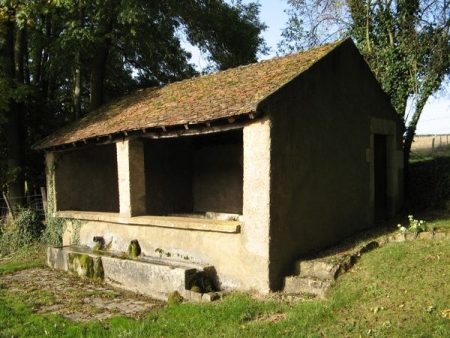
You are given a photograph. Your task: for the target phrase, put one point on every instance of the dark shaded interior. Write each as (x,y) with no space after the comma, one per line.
(86,179)
(195,174)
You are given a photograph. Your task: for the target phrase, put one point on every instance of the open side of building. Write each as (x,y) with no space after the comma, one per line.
(245,170)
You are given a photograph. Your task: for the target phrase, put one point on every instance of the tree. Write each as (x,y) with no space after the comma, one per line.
(61,59)
(229,36)
(405,42)
(122,38)
(12,45)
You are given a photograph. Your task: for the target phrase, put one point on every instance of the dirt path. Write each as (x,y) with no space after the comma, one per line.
(51,291)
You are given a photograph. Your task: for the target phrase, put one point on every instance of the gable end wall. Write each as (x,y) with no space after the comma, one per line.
(320,173)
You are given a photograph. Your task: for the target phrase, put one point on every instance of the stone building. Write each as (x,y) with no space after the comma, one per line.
(246,169)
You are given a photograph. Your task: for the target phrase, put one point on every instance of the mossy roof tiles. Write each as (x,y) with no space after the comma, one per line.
(198,100)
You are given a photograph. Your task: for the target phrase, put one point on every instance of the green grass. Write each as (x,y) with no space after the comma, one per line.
(398,290)
(26,258)
(441,223)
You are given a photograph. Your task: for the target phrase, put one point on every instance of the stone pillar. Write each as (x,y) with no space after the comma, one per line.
(131,174)
(50,159)
(256,202)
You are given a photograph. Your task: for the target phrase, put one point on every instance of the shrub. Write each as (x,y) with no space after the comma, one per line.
(10,240)
(23,231)
(29,225)
(428,184)
(53,231)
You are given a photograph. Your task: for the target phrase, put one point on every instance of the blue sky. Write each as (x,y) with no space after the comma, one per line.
(435,118)
(272,13)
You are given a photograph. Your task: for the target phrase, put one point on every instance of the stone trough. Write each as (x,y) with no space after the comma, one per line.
(149,276)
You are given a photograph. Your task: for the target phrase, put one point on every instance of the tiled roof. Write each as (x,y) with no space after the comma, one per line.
(198,100)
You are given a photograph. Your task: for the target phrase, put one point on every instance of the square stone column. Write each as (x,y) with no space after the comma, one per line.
(131,174)
(50,159)
(256,202)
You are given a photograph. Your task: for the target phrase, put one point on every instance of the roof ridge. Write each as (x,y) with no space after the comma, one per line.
(240,67)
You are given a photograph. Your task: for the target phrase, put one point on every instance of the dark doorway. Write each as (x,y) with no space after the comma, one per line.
(380,176)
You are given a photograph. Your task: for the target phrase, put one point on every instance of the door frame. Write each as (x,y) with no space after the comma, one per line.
(394,167)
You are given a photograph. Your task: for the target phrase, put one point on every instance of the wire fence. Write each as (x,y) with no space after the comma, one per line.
(31,201)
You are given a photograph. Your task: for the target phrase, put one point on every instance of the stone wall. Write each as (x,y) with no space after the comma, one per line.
(218,175)
(168,176)
(322,157)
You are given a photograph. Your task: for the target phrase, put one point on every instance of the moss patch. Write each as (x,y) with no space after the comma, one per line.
(134,249)
(201,283)
(98,269)
(85,266)
(175,298)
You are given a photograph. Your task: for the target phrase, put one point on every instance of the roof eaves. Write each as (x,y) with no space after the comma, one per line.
(158,131)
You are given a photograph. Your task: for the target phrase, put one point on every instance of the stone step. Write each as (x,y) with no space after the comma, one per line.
(314,276)
(316,269)
(154,279)
(310,285)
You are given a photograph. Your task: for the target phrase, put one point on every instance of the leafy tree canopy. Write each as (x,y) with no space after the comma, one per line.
(60,59)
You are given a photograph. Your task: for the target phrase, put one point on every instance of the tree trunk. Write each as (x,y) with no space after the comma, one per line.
(7,50)
(369,47)
(411,131)
(101,52)
(45,83)
(11,50)
(76,93)
(16,125)
(98,74)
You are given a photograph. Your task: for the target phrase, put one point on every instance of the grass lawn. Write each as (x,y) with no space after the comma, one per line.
(398,290)
(23,259)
